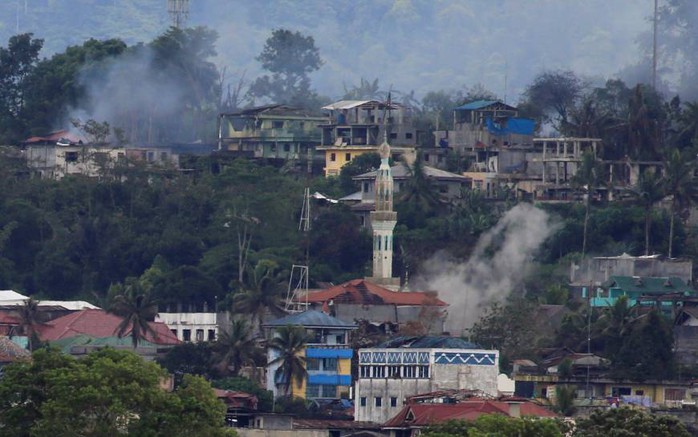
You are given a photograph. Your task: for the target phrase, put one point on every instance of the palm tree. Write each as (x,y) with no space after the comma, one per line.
(138,308)
(263,293)
(680,186)
(236,348)
(289,342)
(28,319)
(419,190)
(589,177)
(649,190)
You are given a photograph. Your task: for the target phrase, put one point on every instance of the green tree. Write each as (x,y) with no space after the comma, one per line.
(628,422)
(290,57)
(288,343)
(189,359)
(680,185)
(588,178)
(17,62)
(551,97)
(649,190)
(235,349)
(359,165)
(262,294)
(137,308)
(108,392)
(499,426)
(29,319)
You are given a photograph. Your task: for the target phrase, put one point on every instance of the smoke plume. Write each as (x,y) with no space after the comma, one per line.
(499,262)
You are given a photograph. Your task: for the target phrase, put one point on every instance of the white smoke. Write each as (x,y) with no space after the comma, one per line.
(499,263)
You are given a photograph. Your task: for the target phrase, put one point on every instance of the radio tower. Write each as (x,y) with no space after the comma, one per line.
(179,12)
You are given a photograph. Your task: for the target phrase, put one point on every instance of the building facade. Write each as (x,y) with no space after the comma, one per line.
(327,356)
(407,366)
(355,127)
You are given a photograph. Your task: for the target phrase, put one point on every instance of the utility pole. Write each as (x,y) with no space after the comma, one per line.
(654,46)
(179,12)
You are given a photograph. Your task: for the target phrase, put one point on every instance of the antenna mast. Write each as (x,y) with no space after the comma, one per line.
(654,48)
(297,294)
(179,12)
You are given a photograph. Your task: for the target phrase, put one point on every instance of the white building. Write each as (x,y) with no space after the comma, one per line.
(193,323)
(407,366)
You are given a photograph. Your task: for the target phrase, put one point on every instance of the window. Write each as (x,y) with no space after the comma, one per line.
(199,335)
(186,334)
(393,402)
(328,391)
(409,372)
(393,136)
(329,364)
(394,372)
(347,157)
(211,335)
(163,156)
(674,394)
(426,157)
(312,391)
(362,401)
(379,401)
(312,364)
(423,371)
(408,135)
(277,124)
(620,391)
(378,371)
(287,147)
(364,372)
(339,339)
(71,156)
(333,157)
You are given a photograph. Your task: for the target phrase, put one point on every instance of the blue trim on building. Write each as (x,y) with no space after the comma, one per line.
(477,359)
(328,353)
(329,379)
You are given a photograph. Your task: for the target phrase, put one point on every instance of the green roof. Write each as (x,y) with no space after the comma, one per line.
(649,285)
(66,344)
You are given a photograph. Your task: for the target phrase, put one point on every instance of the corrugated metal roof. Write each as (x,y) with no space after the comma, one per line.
(658,285)
(311,319)
(401,171)
(351,104)
(428,342)
(479,104)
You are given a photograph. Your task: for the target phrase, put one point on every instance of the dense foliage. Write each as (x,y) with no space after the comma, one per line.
(108,392)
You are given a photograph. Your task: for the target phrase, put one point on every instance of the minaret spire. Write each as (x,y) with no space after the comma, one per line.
(383,220)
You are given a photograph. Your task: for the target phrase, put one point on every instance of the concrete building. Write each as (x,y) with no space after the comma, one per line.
(597,270)
(272,132)
(355,127)
(327,356)
(406,366)
(194,322)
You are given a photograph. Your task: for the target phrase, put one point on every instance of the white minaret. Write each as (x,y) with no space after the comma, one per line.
(383,220)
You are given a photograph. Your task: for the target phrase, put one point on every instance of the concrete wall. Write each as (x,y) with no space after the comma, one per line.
(251,432)
(448,369)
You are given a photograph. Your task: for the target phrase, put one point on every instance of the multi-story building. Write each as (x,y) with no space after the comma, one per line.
(275,132)
(327,356)
(355,127)
(406,366)
(193,322)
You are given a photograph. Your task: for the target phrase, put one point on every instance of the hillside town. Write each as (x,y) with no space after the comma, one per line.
(278,262)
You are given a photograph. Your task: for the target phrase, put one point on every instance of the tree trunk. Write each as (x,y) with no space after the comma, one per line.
(671,233)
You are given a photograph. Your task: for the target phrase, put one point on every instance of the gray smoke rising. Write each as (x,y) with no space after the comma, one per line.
(499,262)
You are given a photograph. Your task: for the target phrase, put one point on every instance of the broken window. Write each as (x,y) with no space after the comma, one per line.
(71,156)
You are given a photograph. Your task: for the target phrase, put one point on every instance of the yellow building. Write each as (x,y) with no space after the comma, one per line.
(327,356)
(355,127)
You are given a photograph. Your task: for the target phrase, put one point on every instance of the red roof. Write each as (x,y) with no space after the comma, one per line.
(98,323)
(54,137)
(419,415)
(362,292)
(237,399)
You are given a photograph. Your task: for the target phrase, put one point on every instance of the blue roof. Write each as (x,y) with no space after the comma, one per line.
(311,319)
(477,104)
(428,342)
